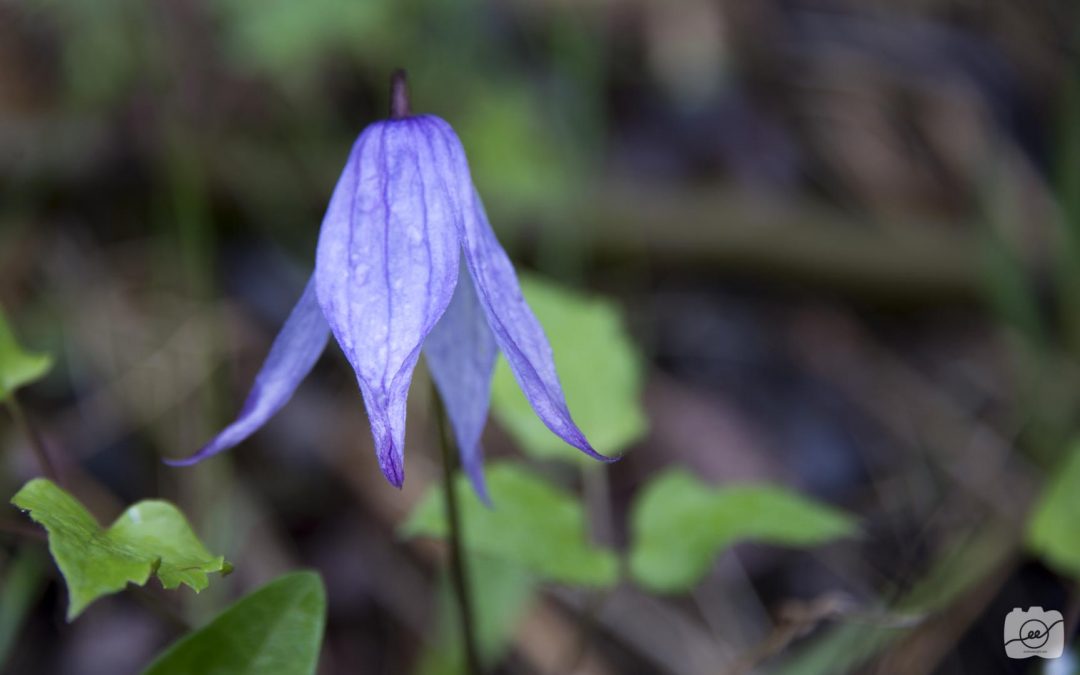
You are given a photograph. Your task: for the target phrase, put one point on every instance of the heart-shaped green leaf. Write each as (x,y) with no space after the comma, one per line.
(532,524)
(276,630)
(599,367)
(149,537)
(679,525)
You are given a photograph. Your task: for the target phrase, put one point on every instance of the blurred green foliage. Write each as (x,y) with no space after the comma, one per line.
(18,367)
(600,368)
(150,537)
(679,525)
(1054,526)
(276,630)
(308,77)
(532,524)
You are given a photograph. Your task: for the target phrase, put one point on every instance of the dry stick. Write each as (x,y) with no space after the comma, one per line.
(36,442)
(458,575)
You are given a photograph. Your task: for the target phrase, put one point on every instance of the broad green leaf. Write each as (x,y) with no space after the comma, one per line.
(599,367)
(1054,528)
(18,367)
(500,592)
(532,524)
(679,525)
(149,537)
(276,630)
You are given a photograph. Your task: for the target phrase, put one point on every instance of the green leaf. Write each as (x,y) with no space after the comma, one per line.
(679,525)
(1054,528)
(149,537)
(500,592)
(532,524)
(18,367)
(276,630)
(600,369)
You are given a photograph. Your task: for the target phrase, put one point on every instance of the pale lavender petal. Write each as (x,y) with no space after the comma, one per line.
(294,353)
(461,354)
(386,267)
(517,332)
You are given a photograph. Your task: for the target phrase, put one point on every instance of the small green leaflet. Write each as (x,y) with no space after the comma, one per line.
(149,537)
(1054,528)
(276,630)
(600,370)
(17,366)
(679,525)
(532,524)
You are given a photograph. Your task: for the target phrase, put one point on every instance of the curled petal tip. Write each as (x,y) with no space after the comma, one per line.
(588,450)
(184,461)
(394,472)
(605,458)
(474,469)
(206,452)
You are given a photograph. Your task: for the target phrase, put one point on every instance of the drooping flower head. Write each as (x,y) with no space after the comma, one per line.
(407,263)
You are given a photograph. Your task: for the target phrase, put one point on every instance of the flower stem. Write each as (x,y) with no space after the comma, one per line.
(459,577)
(36,442)
(399,95)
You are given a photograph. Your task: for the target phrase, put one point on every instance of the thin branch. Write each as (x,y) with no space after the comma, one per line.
(37,443)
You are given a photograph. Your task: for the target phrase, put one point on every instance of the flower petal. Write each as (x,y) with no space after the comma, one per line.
(461,354)
(386,267)
(294,353)
(516,329)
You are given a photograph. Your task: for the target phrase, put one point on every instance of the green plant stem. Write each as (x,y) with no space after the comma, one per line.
(459,577)
(36,442)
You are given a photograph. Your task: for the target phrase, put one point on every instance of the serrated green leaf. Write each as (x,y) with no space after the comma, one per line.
(600,370)
(1053,531)
(532,524)
(679,525)
(17,366)
(149,537)
(500,592)
(276,630)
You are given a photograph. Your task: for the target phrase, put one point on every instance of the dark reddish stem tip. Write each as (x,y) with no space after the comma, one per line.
(399,95)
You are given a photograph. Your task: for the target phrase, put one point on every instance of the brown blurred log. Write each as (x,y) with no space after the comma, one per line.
(716,231)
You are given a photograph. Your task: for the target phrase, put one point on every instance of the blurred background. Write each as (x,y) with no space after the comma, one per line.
(844,238)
